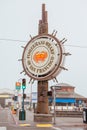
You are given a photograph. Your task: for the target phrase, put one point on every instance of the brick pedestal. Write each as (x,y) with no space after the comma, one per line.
(42,118)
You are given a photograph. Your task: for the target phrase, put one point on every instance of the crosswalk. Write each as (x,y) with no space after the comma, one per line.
(38,125)
(42,126)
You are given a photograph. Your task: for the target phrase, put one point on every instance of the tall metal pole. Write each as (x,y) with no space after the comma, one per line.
(30,94)
(22,111)
(54,101)
(23,101)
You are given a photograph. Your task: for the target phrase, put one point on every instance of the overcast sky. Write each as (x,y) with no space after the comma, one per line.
(19,19)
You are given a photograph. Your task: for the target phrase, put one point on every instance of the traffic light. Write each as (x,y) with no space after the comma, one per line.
(24,95)
(18,85)
(49,93)
(23,83)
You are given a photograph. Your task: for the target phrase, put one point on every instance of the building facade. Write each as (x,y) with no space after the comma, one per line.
(67,98)
(6,97)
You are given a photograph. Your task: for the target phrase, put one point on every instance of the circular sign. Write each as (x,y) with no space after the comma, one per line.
(42,57)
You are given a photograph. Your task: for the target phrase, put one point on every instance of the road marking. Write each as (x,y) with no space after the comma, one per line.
(44,125)
(3,128)
(13,118)
(55,128)
(24,124)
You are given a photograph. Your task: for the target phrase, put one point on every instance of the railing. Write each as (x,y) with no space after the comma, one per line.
(69,114)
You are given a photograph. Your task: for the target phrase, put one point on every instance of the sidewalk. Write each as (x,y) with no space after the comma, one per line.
(59,121)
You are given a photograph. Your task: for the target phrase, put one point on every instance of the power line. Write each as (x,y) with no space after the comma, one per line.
(76,46)
(3,39)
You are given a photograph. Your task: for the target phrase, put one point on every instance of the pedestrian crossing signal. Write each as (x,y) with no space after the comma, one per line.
(24,95)
(49,93)
(18,85)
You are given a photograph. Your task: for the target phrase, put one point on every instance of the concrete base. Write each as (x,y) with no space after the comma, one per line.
(42,118)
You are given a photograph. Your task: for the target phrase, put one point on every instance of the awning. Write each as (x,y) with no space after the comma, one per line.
(64,100)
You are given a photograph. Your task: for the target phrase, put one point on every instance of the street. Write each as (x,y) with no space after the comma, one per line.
(6,117)
(8,122)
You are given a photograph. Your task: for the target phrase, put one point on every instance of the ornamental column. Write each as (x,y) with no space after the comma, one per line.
(42,104)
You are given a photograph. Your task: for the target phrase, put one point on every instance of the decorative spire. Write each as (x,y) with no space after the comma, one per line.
(43,24)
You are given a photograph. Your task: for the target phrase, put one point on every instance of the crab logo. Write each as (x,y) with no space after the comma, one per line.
(40,56)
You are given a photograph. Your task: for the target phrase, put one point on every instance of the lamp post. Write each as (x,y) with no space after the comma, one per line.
(53,88)
(54,102)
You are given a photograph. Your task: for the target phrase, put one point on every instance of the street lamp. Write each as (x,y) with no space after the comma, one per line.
(53,88)
(30,94)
